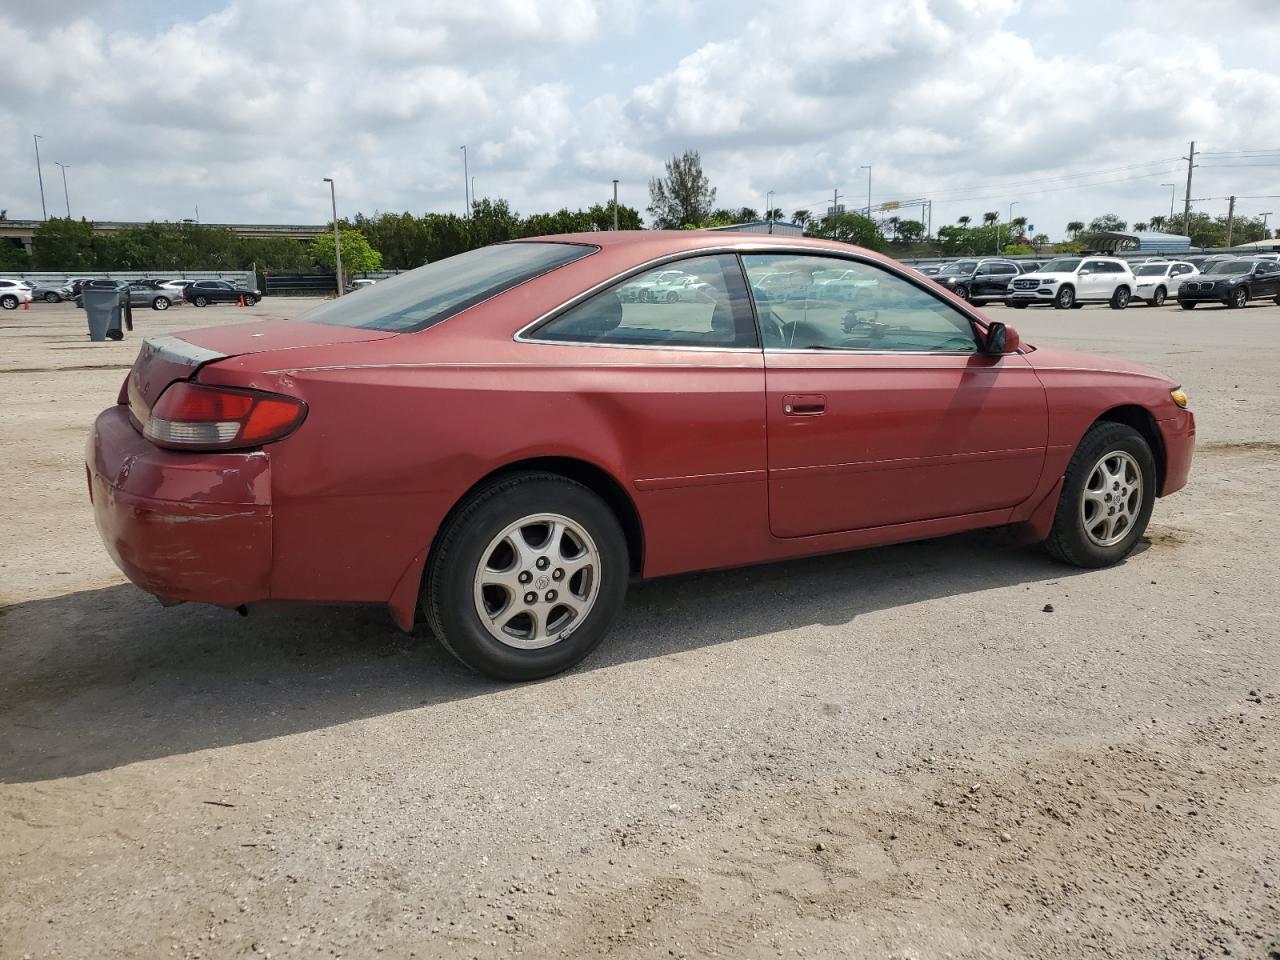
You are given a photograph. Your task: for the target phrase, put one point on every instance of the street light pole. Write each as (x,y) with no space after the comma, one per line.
(1011,206)
(768,208)
(36,138)
(867,167)
(466,184)
(615,205)
(1173,189)
(65,196)
(1264,224)
(337,243)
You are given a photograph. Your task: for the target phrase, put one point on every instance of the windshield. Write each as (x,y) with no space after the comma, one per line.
(1151,270)
(959,268)
(1061,265)
(425,296)
(1229,266)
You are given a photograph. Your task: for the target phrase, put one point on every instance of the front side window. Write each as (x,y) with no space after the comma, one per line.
(874,310)
(700,303)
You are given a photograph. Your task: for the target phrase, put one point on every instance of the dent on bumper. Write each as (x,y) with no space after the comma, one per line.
(187,526)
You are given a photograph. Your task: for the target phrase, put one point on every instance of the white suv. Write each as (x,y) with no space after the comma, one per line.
(1074,281)
(13,293)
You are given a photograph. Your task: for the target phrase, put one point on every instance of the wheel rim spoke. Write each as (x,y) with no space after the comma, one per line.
(1111,499)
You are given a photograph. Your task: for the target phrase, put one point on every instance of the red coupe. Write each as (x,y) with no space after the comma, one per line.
(505,438)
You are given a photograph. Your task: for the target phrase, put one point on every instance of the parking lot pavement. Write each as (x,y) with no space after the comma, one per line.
(953,746)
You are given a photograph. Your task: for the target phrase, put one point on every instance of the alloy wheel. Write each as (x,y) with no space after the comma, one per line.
(1112,498)
(536,581)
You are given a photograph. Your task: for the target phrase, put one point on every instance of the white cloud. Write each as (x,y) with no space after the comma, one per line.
(244,105)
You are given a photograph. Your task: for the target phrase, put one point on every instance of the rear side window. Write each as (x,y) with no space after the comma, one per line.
(702,302)
(423,297)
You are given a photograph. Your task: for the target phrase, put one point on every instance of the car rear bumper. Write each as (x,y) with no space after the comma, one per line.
(183,526)
(1179,436)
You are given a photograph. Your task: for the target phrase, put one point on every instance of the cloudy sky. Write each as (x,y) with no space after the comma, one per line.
(1070,109)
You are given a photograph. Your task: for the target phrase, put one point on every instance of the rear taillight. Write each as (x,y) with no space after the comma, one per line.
(193,416)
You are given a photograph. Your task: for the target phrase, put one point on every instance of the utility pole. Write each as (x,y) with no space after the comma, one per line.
(473,189)
(1173,187)
(1186,203)
(337,243)
(1231,216)
(466,184)
(36,138)
(1264,224)
(835,202)
(867,167)
(768,210)
(65,196)
(1011,206)
(615,205)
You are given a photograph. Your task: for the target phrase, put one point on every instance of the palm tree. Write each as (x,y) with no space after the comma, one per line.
(801,217)
(964,221)
(1074,228)
(893,222)
(990,217)
(1157,222)
(1040,240)
(1017,226)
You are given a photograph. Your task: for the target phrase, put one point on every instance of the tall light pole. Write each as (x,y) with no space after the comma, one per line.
(466,183)
(337,243)
(867,167)
(1011,206)
(768,208)
(36,138)
(1173,189)
(65,196)
(1264,224)
(615,205)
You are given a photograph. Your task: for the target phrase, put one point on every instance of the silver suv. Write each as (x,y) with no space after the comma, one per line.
(1074,281)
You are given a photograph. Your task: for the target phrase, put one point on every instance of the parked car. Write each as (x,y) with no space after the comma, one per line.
(1074,281)
(175,284)
(499,440)
(354,285)
(153,294)
(978,279)
(1156,280)
(201,293)
(1232,282)
(1028,266)
(13,293)
(930,269)
(72,287)
(43,290)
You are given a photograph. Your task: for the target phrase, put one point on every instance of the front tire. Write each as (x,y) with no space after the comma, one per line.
(52,297)
(201,301)
(160,303)
(527,577)
(963,293)
(1120,299)
(1065,298)
(1187,304)
(1158,298)
(1107,497)
(1239,298)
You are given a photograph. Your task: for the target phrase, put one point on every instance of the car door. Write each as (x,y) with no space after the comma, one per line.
(1267,279)
(998,282)
(882,411)
(1095,282)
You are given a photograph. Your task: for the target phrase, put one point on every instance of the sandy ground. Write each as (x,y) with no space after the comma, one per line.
(899,753)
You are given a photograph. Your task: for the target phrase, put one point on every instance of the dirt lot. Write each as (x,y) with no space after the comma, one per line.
(944,749)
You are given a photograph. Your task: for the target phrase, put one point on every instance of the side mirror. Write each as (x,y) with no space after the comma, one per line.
(1002,339)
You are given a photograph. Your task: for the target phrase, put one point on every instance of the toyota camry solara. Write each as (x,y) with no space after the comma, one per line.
(502,440)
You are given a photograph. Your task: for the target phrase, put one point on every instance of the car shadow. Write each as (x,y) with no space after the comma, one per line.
(100,678)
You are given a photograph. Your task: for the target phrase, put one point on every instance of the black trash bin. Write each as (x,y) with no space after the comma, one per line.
(108,312)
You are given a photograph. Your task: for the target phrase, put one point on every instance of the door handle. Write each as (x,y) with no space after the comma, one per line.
(804,405)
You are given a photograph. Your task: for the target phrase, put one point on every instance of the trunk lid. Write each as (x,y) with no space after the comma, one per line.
(162,360)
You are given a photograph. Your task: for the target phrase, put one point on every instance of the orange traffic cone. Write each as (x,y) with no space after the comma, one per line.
(26,305)
(242,301)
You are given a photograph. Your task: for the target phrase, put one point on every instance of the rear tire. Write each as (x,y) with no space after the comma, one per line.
(52,297)
(1017,304)
(1065,298)
(9,302)
(160,303)
(201,301)
(1107,497)
(484,558)
(1120,299)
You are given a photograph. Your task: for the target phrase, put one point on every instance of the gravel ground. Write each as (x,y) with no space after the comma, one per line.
(951,748)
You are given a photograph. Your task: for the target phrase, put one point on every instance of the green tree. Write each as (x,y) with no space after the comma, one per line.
(990,217)
(965,220)
(1157,222)
(910,231)
(13,257)
(802,217)
(1018,226)
(1140,227)
(357,255)
(1018,249)
(893,225)
(1040,240)
(1108,223)
(746,215)
(774,214)
(61,243)
(684,196)
(1074,228)
(492,221)
(852,228)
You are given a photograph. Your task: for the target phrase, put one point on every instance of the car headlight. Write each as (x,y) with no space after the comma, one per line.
(1180,397)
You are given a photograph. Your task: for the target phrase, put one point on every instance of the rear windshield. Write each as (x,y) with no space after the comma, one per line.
(425,296)
(959,268)
(1230,266)
(1061,265)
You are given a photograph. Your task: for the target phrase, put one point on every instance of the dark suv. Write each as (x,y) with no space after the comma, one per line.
(978,280)
(1233,282)
(201,293)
